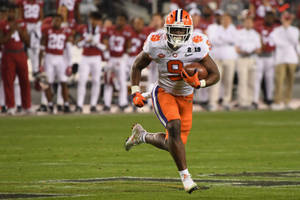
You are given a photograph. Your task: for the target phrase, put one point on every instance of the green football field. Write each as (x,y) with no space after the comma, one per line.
(238,155)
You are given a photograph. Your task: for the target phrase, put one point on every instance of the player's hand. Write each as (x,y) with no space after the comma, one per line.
(191,80)
(138,99)
(69,71)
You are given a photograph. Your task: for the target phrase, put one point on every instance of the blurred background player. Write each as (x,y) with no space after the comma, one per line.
(173,95)
(93,48)
(138,37)
(216,53)
(14,37)
(225,39)
(248,44)
(156,24)
(265,60)
(3,13)
(286,39)
(54,40)
(119,43)
(259,8)
(72,7)
(32,14)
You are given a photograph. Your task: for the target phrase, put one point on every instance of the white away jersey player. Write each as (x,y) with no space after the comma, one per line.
(170,62)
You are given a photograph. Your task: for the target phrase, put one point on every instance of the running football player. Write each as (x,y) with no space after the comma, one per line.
(172,97)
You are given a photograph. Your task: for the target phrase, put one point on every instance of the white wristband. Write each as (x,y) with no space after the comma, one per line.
(135,88)
(202,83)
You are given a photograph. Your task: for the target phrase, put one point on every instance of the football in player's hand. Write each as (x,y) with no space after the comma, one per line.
(190,70)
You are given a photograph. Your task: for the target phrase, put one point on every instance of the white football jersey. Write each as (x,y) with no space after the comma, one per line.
(170,62)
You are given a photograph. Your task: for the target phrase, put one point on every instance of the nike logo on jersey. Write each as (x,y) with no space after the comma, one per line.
(188,54)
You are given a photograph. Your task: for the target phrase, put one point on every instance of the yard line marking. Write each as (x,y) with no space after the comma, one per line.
(261,183)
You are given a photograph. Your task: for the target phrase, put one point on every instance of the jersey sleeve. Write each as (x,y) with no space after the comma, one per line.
(150,43)
(202,45)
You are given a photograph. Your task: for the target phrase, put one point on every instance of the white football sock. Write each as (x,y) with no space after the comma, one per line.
(184,173)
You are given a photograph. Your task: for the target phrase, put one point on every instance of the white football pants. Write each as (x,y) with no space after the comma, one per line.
(117,65)
(34,31)
(89,65)
(266,69)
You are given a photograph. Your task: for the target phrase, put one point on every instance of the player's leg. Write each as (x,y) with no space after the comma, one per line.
(49,69)
(242,72)
(251,80)
(228,73)
(18,95)
(83,71)
(186,111)
(269,78)
(108,86)
(62,78)
(122,78)
(22,71)
(2,95)
(96,74)
(258,77)
(176,146)
(290,77)
(280,74)
(214,91)
(8,77)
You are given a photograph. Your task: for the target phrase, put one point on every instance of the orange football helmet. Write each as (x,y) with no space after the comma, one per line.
(179,27)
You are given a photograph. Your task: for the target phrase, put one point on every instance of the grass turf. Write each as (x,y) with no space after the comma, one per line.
(36,150)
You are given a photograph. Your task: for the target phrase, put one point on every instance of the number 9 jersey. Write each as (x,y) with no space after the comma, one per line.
(170,62)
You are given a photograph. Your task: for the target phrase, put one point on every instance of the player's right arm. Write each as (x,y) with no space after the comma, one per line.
(142,61)
(6,37)
(42,50)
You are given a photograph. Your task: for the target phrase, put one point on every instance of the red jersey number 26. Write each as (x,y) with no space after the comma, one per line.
(175,67)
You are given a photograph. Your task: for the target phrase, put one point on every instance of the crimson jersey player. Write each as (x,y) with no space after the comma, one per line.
(259,8)
(91,42)
(265,61)
(13,37)
(55,40)
(119,41)
(32,12)
(72,6)
(138,37)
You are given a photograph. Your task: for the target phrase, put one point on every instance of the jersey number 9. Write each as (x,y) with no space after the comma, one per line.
(175,67)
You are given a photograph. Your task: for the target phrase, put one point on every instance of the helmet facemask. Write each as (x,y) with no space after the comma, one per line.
(178,35)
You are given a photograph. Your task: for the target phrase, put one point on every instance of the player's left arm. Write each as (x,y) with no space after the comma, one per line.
(24,35)
(41,13)
(77,12)
(213,72)
(69,43)
(142,61)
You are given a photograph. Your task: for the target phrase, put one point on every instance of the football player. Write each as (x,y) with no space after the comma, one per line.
(14,37)
(73,14)
(265,61)
(91,60)
(54,40)
(138,37)
(32,13)
(172,97)
(119,43)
